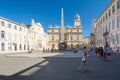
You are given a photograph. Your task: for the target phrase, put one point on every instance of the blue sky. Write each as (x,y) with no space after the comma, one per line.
(48,12)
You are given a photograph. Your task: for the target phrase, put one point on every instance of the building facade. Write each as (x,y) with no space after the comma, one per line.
(106,28)
(36,36)
(65,36)
(15,37)
(86,42)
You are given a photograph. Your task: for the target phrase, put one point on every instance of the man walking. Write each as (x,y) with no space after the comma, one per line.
(109,52)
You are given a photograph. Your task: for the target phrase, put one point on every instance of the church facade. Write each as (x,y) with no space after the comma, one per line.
(65,36)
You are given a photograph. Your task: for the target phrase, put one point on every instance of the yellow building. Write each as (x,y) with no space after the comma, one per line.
(61,37)
(86,42)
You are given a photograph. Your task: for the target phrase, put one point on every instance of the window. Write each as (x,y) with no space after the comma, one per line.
(9,25)
(71,38)
(15,46)
(113,9)
(78,38)
(24,46)
(113,39)
(20,47)
(59,37)
(15,27)
(109,26)
(2,47)
(20,29)
(103,29)
(3,23)
(71,45)
(117,38)
(106,15)
(103,18)
(118,4)
(39,45)
(110,12)
(113,24)
(118,21)
(53,46)
(77,30)
(9,47)
(3,34)
(106,28)
(52,30)
(59,30)
(52,38)
(65,35)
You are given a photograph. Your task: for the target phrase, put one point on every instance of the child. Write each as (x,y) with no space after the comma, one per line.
(83,63)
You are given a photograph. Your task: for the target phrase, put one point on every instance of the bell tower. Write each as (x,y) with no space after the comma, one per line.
(77,22)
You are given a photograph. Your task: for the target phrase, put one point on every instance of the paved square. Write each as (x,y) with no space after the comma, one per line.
(58,68)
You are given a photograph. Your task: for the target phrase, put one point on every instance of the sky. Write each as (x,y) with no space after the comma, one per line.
(48,12)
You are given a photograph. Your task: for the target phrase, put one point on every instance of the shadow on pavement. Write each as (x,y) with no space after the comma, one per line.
(65,69)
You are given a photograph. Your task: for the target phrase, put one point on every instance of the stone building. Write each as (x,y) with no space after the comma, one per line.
(61,37)
(86,42)
(36,36)
(106,28)
(16,37)
(13,36)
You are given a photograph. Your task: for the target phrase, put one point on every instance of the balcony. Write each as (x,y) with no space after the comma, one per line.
(105,34)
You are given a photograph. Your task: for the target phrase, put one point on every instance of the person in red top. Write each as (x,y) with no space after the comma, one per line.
(104,53)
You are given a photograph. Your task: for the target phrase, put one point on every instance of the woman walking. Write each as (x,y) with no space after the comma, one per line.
(83,63)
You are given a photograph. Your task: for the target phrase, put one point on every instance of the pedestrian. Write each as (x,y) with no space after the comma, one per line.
(118,50)
(101,52)
(109,52)
(75,50)
(104,54)
(96,50)
(98,54)
(83,63)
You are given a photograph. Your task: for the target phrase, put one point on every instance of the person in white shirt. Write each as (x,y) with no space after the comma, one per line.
(109,52)
(83,63)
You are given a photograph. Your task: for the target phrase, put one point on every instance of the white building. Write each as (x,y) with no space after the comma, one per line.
(13,36)
(36,36)
(107,26)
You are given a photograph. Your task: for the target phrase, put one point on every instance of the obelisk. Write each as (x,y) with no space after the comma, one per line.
(62,26)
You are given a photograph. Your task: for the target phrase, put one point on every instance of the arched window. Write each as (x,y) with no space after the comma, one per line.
(71,38)
(53,46)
